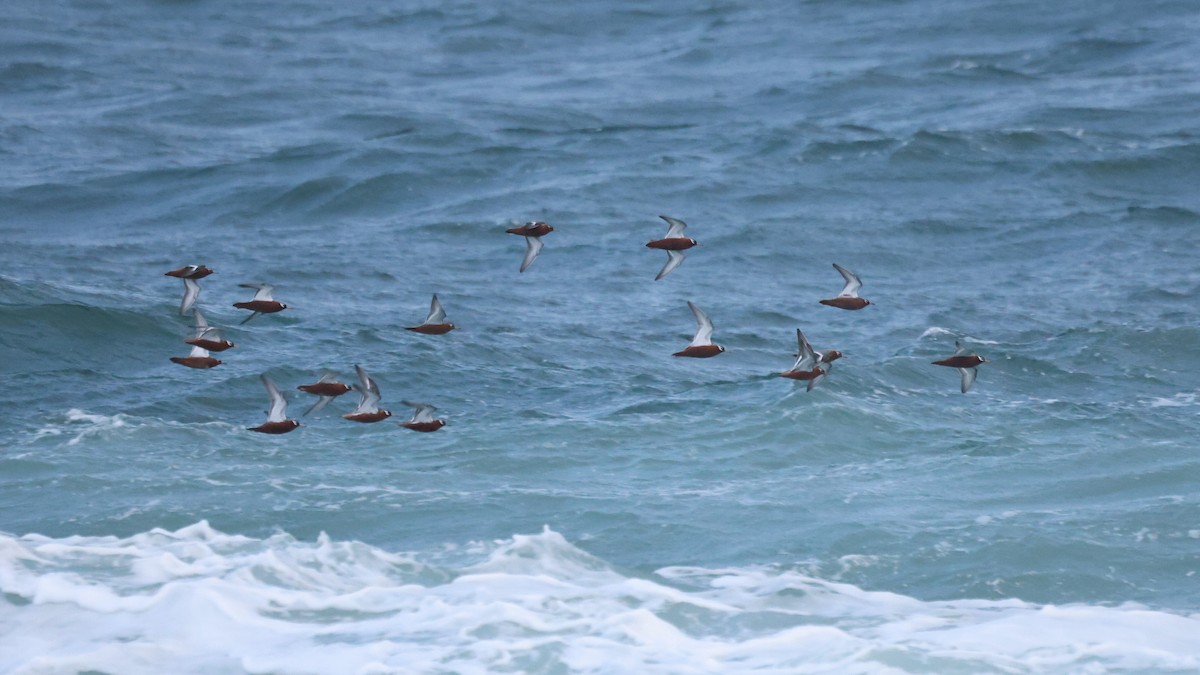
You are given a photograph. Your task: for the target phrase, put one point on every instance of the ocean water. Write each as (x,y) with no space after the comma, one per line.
(1014,175)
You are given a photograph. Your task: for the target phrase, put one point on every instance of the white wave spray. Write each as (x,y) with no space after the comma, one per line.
(199,601)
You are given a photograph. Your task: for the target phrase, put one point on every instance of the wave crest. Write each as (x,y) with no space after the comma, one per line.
(195,599)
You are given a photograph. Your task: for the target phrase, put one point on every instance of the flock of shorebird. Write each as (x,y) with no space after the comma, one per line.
(811,366)
(207,339)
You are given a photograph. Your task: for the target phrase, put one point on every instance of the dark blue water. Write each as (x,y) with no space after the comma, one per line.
(1013,176)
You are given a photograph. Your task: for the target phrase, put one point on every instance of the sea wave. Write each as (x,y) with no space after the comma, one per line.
(77,426)
(199,600)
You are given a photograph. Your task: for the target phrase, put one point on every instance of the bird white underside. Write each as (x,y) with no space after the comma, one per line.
(368,401)
(533,246)
(436,313)
(321,403)
(808,358)
(278,409)
(674,259)
(191,292)
(264,291)
(853,283)
(198,351)
(368,393)
(424,412)
(704,327)
(675,227)
(968,378)
(364,380)
(202,329)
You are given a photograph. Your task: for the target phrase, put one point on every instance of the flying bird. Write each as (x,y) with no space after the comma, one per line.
(277,421)
(198,358)
(533,231)
(262,303)
(674,243)
(701,346)
(327,388)
(422,419)
(191,290)
(368,409)
(808,364)
(534,228)
(206,336)
(848,298)
(826,357)
(965,362)
(435,323)
(190,272)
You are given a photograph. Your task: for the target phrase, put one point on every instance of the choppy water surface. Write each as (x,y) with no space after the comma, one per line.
(1017,178)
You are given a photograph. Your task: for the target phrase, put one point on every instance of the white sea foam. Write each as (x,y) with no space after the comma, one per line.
(1180,400)
(82,425)
(197,601)
(934,331)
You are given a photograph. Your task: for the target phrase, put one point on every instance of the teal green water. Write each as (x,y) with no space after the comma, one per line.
(1017,179)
